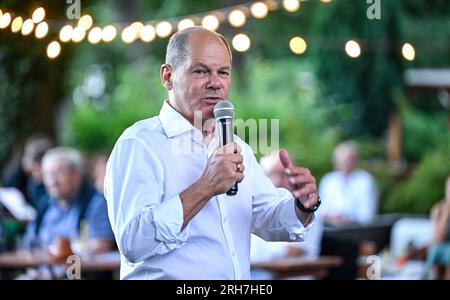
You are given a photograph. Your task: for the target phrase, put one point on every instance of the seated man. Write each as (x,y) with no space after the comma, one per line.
(70,203)
(349,195)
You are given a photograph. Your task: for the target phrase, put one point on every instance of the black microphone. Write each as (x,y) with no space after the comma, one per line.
(224,113)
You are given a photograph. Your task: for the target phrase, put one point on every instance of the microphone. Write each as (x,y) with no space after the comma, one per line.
(224,113)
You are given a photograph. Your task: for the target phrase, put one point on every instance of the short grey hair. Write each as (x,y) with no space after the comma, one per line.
(71,157)
(177,52)
(346,145)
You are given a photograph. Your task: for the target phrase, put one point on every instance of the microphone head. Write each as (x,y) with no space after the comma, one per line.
(224,110)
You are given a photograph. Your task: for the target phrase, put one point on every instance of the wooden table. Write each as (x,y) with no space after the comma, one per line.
(32,259)
(299,266)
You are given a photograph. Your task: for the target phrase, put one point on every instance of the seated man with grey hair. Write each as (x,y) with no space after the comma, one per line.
(349,194)
(71,202)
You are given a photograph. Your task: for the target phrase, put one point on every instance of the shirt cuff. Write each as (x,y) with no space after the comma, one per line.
(168,220)
(297,231)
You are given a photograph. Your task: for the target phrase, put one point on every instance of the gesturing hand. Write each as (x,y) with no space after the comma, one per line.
(301,183)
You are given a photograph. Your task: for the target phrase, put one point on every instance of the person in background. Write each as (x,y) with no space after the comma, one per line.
(71,202)
(27,177)
(349,194)
(98,172)
(438,255)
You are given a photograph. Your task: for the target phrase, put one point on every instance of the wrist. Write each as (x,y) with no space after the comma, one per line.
(303,209)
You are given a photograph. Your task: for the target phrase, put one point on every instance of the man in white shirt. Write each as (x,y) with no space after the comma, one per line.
(167,177)
(349,194)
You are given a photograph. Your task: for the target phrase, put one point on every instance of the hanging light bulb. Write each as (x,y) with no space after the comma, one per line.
(65,34)
(53,49)
(27,27)
(5,19)
(95,35)
(41,30)
(78,34)
(210,22)
(291,5)
(38,15)
(237,18)
(16,24)
(163,29)
(185,23)
(353,49)
(148,33)
(259,10)
(241,42)
(298,45)
(109,33)
(129,34)
(408,52)
(85,22)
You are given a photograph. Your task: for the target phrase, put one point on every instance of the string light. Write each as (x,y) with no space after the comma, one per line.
(298,45)
(185,23)
(53,49)
(65,34)
(138,27)
(85,22)
(27,26)
(41,30)
(408,52)
(237,18)
(259,10)
(129,34)
(16,24)
(211,22)
(5,20)
(291,5)
(78,34)
(163,29)
(109,33)
(352,49)
(148,33)
(95,35)
(241,42)
(38,15)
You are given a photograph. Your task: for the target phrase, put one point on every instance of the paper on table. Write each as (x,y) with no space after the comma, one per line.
(13,200)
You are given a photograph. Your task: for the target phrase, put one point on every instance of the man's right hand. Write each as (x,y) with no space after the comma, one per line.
(222,170)
(220,174)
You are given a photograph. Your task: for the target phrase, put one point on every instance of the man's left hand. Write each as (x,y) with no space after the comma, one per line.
(301,183)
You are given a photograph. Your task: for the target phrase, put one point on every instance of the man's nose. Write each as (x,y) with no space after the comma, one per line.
(214,82)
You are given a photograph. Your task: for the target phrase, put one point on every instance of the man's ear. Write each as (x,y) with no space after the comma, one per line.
(166,76)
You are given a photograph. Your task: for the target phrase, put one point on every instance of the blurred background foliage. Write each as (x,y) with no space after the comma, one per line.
(90,94)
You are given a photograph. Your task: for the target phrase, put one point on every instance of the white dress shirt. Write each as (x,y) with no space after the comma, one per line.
(151,164)
(354,196)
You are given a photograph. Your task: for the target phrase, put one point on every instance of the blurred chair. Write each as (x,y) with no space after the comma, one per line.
(407,232)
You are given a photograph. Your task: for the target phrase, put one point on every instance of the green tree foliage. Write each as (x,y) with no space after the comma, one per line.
(425,187)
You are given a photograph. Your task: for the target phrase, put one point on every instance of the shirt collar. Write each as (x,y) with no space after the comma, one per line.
(172,121)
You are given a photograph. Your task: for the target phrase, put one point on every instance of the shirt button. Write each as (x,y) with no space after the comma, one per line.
(233,254)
